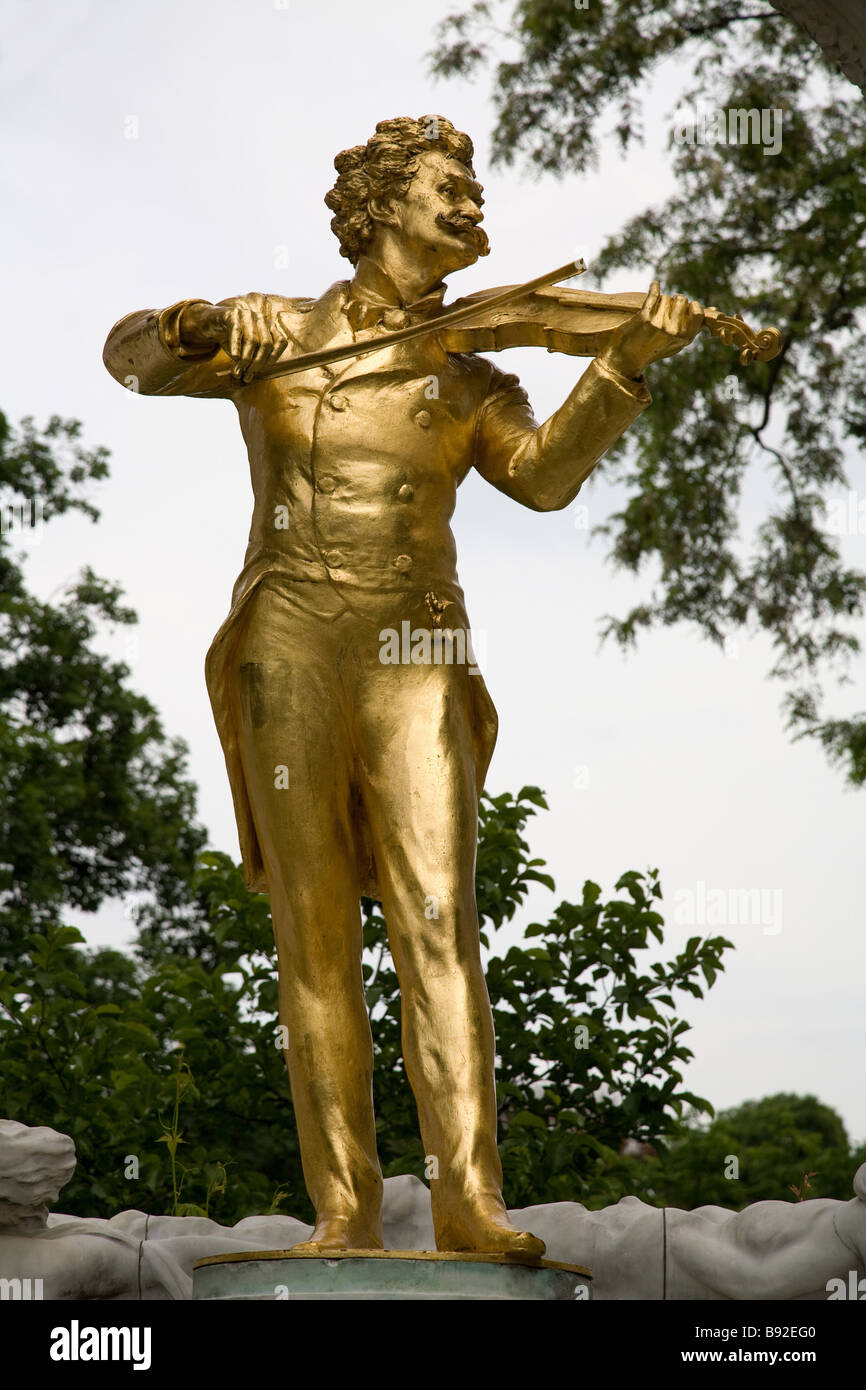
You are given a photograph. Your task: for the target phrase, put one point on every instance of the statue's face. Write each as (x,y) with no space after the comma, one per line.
(441,211)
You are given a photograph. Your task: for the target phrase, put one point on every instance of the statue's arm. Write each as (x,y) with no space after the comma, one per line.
(543,466)
(195,348)
(147,352)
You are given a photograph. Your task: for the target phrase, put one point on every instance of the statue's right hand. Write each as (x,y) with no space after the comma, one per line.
(249,328)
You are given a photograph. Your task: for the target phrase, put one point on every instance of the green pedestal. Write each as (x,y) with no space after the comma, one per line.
(383,1275)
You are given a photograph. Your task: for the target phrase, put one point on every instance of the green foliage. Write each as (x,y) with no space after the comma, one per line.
(776,237)
(589,1044)
(168,1049)
(102,1048)
(94,799)
(94,804)
(591,1041)
(172,1137)
(165,1067)
(787,1147)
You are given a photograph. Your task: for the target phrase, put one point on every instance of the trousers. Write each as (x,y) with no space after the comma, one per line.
(332,738)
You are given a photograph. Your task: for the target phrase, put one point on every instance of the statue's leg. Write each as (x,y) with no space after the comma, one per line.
(297,764)
(418,784)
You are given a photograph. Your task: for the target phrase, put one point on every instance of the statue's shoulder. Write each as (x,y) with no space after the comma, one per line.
(491,380)
(292,304)
(305,304)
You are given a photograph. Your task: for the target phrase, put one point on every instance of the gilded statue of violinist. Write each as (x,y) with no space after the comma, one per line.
(351,775)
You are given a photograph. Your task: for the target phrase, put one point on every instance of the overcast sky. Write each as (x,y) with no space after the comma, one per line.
(174,148)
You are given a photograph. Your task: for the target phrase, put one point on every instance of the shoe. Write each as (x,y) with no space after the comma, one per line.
(338,1233)
(482,1226)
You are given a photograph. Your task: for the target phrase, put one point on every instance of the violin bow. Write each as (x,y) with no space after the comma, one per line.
(730,329)
(419,330)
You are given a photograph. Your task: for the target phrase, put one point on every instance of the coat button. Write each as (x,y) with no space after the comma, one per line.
(395,318)
(327,483)
(406,493)
(337,402)
(422,418)
(403,563)
(333,559)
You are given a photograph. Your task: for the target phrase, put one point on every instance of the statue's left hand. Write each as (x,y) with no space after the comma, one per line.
(664,325)
(252,331)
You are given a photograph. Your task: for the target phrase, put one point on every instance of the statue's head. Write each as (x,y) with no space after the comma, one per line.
(414,180)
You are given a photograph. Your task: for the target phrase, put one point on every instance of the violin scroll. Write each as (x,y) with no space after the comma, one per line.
(733,331)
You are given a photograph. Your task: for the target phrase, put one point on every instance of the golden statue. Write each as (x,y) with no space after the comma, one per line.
(354,773)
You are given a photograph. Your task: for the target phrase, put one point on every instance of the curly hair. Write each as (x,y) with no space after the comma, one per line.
(384,168)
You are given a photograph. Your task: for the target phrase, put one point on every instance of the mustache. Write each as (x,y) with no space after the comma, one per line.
(458,222)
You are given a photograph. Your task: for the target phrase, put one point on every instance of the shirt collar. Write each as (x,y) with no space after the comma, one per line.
(374,287)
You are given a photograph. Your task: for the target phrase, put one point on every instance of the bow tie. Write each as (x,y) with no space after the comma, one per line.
(372,310)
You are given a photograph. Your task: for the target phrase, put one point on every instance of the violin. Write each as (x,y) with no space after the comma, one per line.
(535,314)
